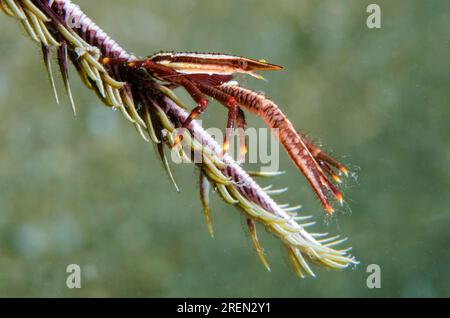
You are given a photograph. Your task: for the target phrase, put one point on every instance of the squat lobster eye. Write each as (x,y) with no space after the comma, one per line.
(243,64)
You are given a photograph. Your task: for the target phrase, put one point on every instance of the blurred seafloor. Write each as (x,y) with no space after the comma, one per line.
(88,190)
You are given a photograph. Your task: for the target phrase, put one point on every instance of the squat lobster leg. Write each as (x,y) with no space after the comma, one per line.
(167,74)
(302,156)
(241,123)
(195,113)
(233,108)
(327,163)
(232,115)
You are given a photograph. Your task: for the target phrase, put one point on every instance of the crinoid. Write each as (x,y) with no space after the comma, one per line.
(142,89)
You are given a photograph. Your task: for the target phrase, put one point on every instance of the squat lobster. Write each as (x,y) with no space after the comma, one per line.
(200,74)
(211,74)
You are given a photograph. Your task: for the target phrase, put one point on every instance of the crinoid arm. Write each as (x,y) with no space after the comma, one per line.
(156,113)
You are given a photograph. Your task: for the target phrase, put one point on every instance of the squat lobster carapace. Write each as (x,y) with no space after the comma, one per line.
(212,63)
